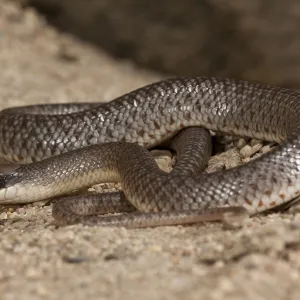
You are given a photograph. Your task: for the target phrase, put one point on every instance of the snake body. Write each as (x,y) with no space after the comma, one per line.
(121,130)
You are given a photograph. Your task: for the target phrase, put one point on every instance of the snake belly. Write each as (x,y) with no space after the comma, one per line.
(147,117)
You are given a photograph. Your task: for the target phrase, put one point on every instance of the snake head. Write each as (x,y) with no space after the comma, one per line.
(9,178)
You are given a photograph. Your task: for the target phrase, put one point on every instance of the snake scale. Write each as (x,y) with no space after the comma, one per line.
(67,147)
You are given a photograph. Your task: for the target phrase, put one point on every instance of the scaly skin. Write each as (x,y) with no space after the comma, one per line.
(147,117)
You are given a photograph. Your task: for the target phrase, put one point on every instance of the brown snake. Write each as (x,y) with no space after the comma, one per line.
(148,116)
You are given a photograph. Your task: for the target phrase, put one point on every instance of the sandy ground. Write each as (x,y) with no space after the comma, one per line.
(41,261)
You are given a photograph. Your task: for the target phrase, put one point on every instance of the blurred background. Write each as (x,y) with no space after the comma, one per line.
(256,40)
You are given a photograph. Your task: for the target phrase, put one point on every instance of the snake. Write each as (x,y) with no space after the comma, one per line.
(65,147)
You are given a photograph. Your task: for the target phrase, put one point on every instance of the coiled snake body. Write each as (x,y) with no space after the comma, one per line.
(47,137)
